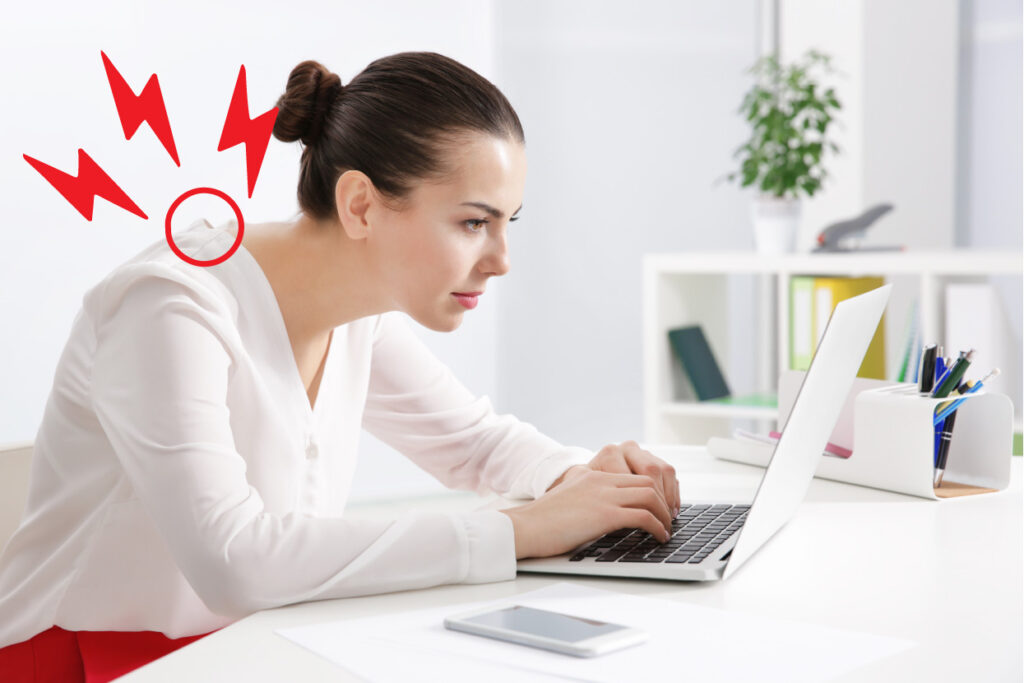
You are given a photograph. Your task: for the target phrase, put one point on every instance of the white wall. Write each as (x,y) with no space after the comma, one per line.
(910,90)
(57,99)
(990,212)
(897,126)
(836,28)
(629,112)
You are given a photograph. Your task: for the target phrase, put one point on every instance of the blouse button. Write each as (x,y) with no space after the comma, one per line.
(312,451)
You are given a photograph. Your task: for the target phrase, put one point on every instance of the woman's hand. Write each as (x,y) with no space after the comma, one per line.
(626,458)
(584,507)
(594,499)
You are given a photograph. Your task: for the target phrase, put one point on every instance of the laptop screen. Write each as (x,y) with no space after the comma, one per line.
(815,412)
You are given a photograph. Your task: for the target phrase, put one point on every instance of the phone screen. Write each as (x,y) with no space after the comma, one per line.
(541,622)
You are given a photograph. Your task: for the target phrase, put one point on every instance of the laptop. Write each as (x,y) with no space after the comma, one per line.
(712,541)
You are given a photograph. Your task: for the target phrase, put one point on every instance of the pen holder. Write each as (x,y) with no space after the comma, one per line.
(892,430)
(894,444)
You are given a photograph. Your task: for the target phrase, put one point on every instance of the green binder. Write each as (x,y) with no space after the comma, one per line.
(802,340)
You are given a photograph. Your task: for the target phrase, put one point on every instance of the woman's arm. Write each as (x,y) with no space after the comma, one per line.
(159,386)
(416,405)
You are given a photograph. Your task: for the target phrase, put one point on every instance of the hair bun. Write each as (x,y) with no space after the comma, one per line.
(306,102)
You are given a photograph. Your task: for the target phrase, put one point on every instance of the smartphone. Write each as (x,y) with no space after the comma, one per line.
(547,630)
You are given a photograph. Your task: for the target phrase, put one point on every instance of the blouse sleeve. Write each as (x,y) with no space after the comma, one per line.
(159,385)
(416,405)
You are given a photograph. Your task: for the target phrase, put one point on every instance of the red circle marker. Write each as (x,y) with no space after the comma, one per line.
(238,238)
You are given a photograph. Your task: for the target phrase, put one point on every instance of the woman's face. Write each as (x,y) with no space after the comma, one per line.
(451,236)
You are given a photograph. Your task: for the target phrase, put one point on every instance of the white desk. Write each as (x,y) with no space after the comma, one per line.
(947,575)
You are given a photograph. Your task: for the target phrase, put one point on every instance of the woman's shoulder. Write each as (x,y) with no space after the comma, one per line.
(156,276)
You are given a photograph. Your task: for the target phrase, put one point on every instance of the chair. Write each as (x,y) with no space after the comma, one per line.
(15,461)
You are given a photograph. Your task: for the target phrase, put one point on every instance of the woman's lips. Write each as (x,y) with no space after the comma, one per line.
(467,300)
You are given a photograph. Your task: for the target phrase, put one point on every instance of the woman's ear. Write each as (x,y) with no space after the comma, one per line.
(353,195)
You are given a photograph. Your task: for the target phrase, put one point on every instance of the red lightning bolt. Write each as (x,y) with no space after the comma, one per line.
(146,106)
(239,129)
(81,190)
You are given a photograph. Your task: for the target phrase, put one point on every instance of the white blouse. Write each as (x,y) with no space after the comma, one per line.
(180,479)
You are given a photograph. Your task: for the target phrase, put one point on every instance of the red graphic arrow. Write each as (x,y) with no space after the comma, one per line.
(146,106)
(91,182)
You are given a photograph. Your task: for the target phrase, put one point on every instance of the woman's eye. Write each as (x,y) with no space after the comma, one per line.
(475,222)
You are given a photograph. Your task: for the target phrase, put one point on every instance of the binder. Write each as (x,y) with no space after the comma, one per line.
(829,291)
(802,340)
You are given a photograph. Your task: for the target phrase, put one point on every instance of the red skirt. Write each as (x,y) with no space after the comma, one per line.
(60,656)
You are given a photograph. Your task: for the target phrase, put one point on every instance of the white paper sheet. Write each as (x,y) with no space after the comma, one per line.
(697,643)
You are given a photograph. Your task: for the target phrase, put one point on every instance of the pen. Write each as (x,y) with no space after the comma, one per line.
(941,363)
(943,437)
(944,413)
(947,436)
(959,391)
(953,375)
(927,374)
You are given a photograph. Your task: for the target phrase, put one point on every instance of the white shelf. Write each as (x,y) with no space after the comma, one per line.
(692,288)
(688,409)
(967,262)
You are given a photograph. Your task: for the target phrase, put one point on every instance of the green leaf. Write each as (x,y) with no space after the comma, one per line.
(784,105)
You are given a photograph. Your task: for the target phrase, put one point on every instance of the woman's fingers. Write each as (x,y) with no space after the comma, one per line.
(635,518)
(671,486)
(642,462)
(664,476)
(641,480)
(628,457)
(646,498)
(637,480)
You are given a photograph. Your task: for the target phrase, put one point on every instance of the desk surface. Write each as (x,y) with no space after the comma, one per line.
(946,575)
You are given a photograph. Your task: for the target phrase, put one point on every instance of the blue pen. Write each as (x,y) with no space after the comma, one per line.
(940,368)
(948,410)
(940,373)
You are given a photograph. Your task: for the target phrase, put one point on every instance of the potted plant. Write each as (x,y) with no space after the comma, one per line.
(789,112)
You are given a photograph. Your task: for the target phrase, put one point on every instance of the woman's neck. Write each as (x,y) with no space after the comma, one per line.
(320,276)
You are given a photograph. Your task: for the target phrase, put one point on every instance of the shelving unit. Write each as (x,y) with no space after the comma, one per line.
(740,299)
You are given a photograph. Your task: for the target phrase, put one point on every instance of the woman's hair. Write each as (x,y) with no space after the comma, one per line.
(392,122)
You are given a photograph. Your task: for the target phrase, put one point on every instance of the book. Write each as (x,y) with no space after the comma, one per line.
(911,363)
(750,400)
(693,351)
(812,300)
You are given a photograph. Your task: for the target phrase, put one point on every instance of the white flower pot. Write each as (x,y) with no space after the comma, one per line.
(776,223)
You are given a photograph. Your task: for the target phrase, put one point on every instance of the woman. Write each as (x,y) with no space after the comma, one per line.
(194,458)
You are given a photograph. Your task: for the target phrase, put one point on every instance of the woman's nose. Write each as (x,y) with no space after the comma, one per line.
(497,259)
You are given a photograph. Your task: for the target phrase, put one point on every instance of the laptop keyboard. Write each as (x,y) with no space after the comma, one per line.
(696,532)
